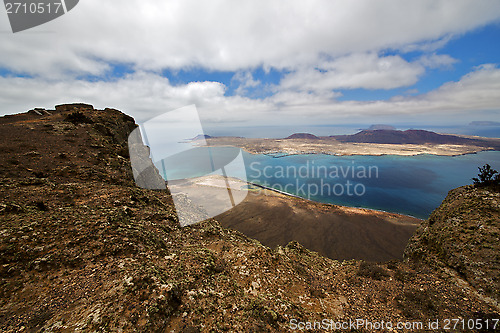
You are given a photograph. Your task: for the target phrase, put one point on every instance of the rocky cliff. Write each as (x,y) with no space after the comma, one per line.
(83,249)
(463,236)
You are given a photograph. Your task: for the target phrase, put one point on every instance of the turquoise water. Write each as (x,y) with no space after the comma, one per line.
(412,185)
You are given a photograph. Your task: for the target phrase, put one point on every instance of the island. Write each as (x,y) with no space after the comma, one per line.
(366,142)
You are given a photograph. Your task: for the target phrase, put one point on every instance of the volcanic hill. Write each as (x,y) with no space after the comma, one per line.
(386,136)
(303,136)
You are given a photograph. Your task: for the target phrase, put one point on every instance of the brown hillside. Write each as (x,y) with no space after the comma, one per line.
(336,232)
(463,234)
(83,249)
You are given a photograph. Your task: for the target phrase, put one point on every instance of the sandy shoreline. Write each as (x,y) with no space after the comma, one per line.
(357,210)
(282,154)
(219,182)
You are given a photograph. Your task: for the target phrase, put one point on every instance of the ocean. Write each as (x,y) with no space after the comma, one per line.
(411,185)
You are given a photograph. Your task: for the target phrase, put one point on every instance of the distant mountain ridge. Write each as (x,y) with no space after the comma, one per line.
(484,123)
(201,137)
(303,136)
(407,137)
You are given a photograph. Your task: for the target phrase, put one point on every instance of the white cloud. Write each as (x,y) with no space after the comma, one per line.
(324,45)
(144,95)
(437,60)
(141,94)
(366,70)
(477,90)
(245,80)
(231,35)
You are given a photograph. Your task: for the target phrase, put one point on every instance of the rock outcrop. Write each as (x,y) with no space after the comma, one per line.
(463,235)
(82,248)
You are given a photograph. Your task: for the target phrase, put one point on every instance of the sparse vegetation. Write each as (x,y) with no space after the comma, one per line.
(83,249)
(417,303)
(487,176)
(372,270)
(78,117)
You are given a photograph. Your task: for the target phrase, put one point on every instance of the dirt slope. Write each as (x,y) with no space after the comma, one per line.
(83,249)
(334,231)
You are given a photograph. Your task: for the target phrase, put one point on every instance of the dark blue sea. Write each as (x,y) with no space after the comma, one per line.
(411,185)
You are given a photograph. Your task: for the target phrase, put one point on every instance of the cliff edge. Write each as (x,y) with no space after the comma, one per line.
(463,235)
(83,249)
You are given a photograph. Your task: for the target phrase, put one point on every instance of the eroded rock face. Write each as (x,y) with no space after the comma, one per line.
(463,234)
(73,107)
(82,248)
(146,175)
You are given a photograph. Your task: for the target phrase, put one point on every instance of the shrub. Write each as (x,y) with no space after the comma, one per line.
(78,118)
(372,270)
(487,176)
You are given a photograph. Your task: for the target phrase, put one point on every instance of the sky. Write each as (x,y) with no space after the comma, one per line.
(263,63)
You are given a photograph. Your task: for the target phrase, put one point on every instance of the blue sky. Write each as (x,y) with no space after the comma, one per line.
(260,63)
(468,50)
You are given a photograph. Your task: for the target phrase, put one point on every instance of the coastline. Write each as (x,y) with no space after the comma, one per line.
(278,148)
(354,154)
(332,205)
(215,181)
